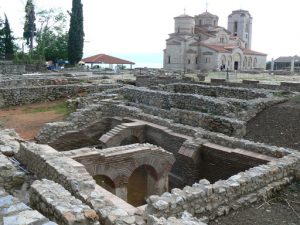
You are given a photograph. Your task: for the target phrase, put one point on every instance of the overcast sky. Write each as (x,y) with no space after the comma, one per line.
(140,27)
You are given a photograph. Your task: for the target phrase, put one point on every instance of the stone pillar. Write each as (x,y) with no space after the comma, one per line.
(272,64)
(157,187)
(293,65)
(121,191)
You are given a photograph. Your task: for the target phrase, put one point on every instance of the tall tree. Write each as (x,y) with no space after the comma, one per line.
(29,26)
(8,40)
(2,45)
(76,33)
(52,36)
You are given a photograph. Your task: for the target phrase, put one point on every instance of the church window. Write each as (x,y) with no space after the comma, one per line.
(196,60)
(189,61)
(215,23)
(235,28)
(222,40)
(169,59)
(207,59)
(200,22)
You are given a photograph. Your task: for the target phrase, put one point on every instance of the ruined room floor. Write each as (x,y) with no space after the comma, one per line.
(278,125)
(282,209)
(27,120)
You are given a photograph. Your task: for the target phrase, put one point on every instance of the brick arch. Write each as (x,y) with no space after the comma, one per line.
(120,162)
(120,174)
(124,131)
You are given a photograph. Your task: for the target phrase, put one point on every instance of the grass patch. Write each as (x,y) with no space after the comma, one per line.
(59,108)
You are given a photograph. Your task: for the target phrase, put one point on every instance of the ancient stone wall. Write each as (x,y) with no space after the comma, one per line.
(25,82)
(12,69)
(216,91)
(228,126)
(28,95)
(284,86)
(151,81)
(10,177)
(228,107)
(46,162)
(57,204)
(219,198)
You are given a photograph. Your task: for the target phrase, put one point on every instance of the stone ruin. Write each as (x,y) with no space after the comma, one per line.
(157,153)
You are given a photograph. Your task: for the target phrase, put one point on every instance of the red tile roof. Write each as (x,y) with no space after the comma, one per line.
(217,48)
(106,59)
(248,51)
(227,49)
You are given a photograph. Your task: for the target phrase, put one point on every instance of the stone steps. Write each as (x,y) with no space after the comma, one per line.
(112,133)
(14,212)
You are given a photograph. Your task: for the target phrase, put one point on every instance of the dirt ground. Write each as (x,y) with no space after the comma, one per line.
(28,120)
(282,209)
(278,125)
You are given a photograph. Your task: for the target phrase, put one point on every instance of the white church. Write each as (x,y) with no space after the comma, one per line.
(198,43)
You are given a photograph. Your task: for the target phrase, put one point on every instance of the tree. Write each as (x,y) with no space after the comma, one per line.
(76,33)
(52,37)
(8,40)
(29,27)
(2,45)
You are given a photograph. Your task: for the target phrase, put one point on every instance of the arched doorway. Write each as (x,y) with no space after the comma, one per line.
(223,60)
(237,59)
(130,140)
(141,185)
(105,182)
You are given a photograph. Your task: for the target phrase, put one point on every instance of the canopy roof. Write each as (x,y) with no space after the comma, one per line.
(106,59)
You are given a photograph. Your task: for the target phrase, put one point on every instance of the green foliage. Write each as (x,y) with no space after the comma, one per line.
(76,33)
(2,46)
(29,30)
(7,46)
(8,40)
(52,37)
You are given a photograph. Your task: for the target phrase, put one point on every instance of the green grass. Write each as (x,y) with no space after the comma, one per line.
(60,108)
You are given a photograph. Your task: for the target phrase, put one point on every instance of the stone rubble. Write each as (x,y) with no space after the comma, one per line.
(14,212)
(59,205)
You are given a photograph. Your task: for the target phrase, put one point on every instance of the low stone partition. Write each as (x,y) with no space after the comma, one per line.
(37,81)
(205,199)
(250,81)
(228,126)
(56,203)
(217,91)
(28,95)
(10,177)
(166,100)
(233,142)
(227,107)
(149,81)
(186,219)
(286,86)
(218,81)
(9,144)
(46,162)
(14,212)
(12,68)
